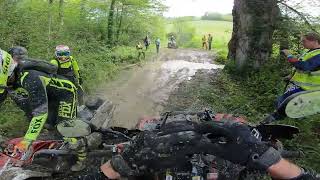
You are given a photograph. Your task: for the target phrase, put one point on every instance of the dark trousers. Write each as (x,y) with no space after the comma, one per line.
(290,91)
(210,45)
(141,53)
(62,102)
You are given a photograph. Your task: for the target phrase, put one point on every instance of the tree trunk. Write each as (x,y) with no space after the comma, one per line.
(120,23)
(110,23)
(49,26)
(253,25)
(61,13)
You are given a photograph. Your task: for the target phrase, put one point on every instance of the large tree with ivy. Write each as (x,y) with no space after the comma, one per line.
(253,25)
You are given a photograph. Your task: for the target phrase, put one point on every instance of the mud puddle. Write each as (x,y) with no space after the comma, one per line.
(144,91)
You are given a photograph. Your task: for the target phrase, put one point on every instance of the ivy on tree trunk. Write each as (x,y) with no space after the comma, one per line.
(253,26)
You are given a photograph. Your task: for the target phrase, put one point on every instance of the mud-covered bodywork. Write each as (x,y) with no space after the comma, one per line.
(19,166)
(18,173)
(50,159)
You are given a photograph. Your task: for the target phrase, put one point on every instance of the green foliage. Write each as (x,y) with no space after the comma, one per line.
(184,18)
(217,17)
(252,94)
(12,120)
(221,56)
(220,30)
(307,141)
(82,25)
(184,32)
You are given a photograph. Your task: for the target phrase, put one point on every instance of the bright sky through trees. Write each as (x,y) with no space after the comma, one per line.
(197,7)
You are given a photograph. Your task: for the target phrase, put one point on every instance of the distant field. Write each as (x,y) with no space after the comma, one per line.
(220,30)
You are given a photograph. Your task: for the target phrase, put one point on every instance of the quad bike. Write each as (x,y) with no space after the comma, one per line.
(51,158)
(203,166)
(172,44)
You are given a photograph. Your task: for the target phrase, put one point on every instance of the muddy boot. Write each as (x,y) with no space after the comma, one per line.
(74,132)
(80,164)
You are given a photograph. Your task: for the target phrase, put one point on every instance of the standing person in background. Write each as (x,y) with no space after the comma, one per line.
(140,51)
(157,45)
(204,42)
(209,41)
(146,42)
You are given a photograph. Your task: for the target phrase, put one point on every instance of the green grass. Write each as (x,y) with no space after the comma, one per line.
(220,30)
(252,96)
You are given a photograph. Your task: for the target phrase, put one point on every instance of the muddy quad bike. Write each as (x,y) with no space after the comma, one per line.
(53,158)
(172,44)
(203,166)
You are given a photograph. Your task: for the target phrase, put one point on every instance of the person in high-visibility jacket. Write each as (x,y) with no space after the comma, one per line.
(306,75)
(68,67)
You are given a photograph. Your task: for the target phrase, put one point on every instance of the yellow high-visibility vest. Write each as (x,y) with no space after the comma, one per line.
(308,80)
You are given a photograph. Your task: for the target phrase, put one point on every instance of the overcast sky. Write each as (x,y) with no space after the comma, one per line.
(197,7)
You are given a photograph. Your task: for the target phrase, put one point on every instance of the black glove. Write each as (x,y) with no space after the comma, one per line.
(237,143)
(155,150)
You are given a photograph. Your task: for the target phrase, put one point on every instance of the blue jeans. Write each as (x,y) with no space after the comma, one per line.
(290,90)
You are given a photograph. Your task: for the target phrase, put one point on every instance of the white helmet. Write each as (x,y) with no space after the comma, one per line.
(63,53)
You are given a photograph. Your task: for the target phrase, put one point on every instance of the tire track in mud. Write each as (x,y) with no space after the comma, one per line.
(144,91)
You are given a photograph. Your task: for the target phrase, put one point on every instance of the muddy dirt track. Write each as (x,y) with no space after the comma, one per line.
(144,90)
(164,82)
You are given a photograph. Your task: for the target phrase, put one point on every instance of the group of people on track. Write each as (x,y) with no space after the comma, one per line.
(207,42)
(146,43)
(48,96)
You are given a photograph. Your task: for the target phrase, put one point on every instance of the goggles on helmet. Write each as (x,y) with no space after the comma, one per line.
(63,53)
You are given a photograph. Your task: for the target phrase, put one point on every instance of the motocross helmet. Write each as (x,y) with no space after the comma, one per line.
(18,52)
(62,53)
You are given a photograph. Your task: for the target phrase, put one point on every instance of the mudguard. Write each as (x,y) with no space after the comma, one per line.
(302,104)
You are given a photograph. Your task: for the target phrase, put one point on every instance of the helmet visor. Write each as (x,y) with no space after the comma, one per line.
(62,53)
